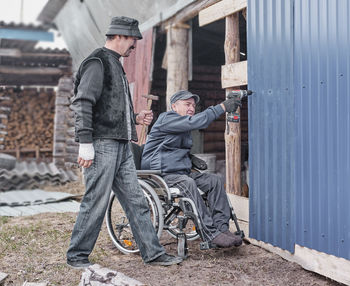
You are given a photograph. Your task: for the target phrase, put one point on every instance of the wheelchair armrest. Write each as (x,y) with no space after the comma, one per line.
(148,172)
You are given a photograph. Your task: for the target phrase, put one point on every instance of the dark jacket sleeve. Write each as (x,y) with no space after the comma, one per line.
(175,123)
(89,91)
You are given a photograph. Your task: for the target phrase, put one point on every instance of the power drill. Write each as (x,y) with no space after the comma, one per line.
(234,116)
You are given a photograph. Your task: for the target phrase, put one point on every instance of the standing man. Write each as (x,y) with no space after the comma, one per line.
(105,124)
(168,149)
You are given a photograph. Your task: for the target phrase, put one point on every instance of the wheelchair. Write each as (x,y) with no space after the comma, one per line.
(170,211)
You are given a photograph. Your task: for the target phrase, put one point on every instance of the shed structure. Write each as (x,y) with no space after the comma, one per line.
(28,76)
(296,62)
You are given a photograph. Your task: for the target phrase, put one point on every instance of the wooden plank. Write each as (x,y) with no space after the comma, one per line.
(10,52)
(322,263)
(233,130)
(220,10)
(33,70)
(234,74)
(177,61)
(188,12)
(328,265)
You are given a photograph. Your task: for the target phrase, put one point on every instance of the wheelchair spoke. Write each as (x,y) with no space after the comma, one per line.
(119,227)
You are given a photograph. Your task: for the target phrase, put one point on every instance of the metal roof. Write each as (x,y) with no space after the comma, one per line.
(32,175)
(69,206)
(22,64)
(88,20)
(31,197)
(30,202)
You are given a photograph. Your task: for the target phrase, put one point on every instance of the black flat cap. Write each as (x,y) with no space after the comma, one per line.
(124,26)
(182,95)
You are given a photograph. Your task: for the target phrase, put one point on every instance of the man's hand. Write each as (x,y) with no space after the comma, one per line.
(145,117)
(231,105)
(86,154)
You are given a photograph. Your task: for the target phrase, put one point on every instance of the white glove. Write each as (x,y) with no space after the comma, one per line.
(86,151)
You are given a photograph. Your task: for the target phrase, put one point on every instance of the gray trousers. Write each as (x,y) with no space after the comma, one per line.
(214,218)
(113,169)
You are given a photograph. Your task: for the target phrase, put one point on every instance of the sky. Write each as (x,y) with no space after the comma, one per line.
(10,11)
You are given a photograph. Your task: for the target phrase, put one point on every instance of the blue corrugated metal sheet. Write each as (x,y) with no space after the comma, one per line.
(271,122)
(322,104)
(30,35)
(299,123)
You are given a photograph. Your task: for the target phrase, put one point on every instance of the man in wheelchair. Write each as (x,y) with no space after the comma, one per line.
(168,149)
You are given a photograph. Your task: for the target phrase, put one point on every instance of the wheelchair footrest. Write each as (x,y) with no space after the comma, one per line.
(240,233)
(205,245)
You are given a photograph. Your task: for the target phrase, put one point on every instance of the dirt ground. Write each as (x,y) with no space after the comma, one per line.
(33,249)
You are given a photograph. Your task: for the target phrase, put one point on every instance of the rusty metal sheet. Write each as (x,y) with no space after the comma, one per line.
(139,71)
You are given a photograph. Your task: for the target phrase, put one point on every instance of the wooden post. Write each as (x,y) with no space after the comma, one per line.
(233,134)
(37,152)
(18,153)
(177,60)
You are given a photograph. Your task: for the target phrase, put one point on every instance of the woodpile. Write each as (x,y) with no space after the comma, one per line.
(27,118)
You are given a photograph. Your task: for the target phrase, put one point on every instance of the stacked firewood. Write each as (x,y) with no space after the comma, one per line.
(30,118)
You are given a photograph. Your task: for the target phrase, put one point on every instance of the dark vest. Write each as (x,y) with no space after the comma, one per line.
(109,115)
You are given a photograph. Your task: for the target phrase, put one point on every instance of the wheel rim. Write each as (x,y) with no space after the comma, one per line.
(118,225)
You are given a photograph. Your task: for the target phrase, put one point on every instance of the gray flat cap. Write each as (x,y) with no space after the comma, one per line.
(183,94)
(124,26)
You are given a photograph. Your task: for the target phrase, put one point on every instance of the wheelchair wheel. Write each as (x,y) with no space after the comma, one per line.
(171,224)
(118,225)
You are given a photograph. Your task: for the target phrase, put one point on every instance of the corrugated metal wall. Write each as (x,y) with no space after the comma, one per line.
(322,106)
(271,121)
(299,123)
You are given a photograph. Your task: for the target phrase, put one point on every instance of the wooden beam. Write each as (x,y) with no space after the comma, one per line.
(233,130)
(27,71)
(234,74)
(188,12)
(220,10)
(177,61)
(10,53)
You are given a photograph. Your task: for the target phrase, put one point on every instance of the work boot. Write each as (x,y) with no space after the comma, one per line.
(165,260)
(79,264)
(223,240)
(238,239)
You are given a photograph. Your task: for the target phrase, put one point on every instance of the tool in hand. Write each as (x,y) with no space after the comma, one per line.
(143,134)
(235,116)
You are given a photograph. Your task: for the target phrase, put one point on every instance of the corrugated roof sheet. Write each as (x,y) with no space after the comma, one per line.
(31,197)
(31,175)
(70,206)
(30,202)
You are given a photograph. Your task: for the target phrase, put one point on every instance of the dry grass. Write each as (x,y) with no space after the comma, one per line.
(34,249)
